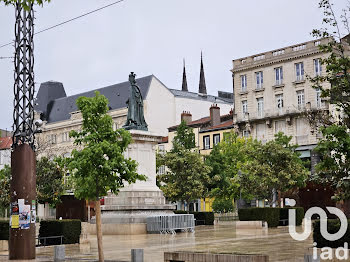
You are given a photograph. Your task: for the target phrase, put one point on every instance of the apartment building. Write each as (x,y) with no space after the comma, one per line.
(272,91)
(208,131)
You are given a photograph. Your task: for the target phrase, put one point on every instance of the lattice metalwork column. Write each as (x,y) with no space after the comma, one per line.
(23,114)
(23,162)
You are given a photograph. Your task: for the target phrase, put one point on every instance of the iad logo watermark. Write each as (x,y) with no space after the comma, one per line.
(341,253)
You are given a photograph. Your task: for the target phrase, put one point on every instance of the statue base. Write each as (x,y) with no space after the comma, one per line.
(127,212)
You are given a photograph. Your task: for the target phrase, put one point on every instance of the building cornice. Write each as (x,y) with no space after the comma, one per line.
(276,60)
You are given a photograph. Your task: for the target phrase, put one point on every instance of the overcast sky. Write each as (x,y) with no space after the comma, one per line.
(153,37)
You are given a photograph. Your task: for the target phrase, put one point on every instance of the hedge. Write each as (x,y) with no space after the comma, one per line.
(269,214)
(203,218)
(284,214)
(4,230)
(69,229)
(333,226)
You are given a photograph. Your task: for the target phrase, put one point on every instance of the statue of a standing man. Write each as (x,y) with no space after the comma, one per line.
(136,118)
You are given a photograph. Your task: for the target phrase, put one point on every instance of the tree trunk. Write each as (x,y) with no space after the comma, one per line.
(99,230)
(274,197)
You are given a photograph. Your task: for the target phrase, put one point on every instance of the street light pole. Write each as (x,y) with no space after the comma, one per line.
(23,162)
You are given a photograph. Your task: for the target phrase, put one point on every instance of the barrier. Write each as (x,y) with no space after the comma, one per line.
(169,224)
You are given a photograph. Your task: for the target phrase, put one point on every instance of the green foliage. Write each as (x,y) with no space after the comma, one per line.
(25,3)
(99,165)
(273,165)
(186,176)
(267,214)
(333,226)
(4,230)
(335,164)
(184,138)
(334,83)
(249,167)
(69,229)
(49,180)
(203,218)
(5,180)
(223,205)
(225,160)
(299,214)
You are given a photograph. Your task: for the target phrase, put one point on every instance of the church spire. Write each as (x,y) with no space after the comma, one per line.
(202,85)
(184,79)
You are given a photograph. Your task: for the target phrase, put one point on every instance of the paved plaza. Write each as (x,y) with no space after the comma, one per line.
(219,239)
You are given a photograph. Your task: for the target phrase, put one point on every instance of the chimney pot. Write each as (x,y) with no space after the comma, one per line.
(186,116)
(215,118)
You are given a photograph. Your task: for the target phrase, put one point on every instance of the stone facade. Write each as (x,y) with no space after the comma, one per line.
(272,91)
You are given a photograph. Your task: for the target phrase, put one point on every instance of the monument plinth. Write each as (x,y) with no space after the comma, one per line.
(127,212)
(137,201)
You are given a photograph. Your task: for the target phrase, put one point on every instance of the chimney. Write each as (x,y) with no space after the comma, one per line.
(186,116)
(215,115)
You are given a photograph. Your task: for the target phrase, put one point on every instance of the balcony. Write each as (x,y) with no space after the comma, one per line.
(267,114)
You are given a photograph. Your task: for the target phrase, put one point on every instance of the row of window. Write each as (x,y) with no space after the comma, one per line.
(53,138)
(299,75)
(65,136)
(280,103)
(206,141)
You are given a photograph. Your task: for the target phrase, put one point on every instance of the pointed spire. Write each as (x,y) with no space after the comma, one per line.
(184,79)
(202,85)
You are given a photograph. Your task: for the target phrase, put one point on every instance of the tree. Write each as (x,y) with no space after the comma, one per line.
(187,174)
(5,179)
(184,138)
(225,159)
(272,167)
(98,165)
(334,147)
(49,181)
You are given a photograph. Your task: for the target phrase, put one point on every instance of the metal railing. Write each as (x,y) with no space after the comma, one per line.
(169,224)
(45,238)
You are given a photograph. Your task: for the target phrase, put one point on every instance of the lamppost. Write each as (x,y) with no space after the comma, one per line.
(23,162)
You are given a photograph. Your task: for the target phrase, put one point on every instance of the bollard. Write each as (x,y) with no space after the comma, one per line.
(136,255)
(59,253)
(309,258)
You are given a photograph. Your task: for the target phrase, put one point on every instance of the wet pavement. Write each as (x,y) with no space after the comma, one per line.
(276,243)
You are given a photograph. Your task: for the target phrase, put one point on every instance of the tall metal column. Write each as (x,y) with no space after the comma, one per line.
(23,183)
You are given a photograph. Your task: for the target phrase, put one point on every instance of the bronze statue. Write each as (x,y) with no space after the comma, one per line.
(136,118)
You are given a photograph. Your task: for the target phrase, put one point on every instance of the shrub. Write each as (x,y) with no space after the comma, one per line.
(269,214)
(69,229)
(284,214)
(4,230)
(223,205)
(333,226)
(205,218)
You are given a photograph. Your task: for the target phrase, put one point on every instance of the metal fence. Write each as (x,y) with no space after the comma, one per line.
(169,224)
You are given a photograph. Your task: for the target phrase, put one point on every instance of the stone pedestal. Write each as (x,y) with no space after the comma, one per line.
(135,202)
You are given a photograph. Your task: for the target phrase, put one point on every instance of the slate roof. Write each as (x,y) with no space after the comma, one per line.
(59,109)
(209,98)
(54,105)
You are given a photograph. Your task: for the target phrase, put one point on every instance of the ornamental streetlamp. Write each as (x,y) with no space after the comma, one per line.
(23,162)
